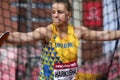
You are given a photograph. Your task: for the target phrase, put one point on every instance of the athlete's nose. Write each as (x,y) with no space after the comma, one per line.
(56,14)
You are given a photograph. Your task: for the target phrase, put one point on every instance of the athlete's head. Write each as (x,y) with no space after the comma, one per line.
(61,11)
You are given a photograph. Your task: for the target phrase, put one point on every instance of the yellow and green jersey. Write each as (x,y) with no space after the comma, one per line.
(60,56)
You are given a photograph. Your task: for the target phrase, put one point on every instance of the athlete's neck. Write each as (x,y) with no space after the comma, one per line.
(62,28)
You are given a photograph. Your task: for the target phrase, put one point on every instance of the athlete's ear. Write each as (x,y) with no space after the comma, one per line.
(69,14)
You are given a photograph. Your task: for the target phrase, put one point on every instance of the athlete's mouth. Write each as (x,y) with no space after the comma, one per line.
(57,20)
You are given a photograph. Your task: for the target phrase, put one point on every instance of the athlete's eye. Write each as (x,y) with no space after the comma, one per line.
(60,12)
(53,12)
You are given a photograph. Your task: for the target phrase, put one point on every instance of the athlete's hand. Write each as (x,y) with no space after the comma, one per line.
(3,37)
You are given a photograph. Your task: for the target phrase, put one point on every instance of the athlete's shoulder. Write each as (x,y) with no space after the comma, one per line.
(44,29)
(49,26)
(80,28)
(79,31)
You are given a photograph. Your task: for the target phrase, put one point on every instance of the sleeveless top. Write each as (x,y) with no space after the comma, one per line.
(60,56)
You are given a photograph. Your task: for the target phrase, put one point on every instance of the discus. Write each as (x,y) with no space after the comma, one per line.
(3,37)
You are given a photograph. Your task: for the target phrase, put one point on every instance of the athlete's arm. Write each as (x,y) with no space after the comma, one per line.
(21,38)
(88,34)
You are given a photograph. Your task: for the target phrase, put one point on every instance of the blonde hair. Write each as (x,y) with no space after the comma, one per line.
(65,2)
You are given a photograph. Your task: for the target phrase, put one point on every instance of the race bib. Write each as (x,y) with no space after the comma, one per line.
(65,71)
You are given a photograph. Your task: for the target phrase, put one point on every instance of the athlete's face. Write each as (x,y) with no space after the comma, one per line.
(60,14)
